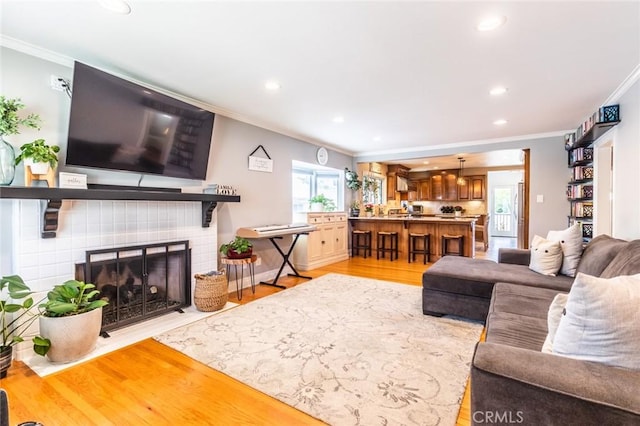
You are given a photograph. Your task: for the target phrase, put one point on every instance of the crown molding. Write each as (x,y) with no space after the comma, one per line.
(623,87)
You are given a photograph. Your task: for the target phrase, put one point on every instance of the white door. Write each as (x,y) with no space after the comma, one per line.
(504,220)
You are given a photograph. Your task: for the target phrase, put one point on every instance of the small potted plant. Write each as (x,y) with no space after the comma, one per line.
(320,203)
(15,300)
(368,208)
(458,210)
(10,123)
(70,322)
(38,156)
(352,179)
(354,211)
(238,248)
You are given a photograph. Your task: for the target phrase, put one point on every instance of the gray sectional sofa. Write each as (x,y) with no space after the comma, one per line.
(512,381)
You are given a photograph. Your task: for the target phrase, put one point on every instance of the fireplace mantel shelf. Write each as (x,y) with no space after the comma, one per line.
(55,196)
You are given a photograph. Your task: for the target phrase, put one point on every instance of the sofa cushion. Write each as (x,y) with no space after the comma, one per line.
(522,300)
(598,254)
(546,256)
(553,320)
(602,321)
(476,277)
(516,330)
(570,240)
(626,262)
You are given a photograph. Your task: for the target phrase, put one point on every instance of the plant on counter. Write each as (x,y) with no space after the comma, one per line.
(458,209)
(368,208)
(327,204)
(352,179)
(238,248)
(39,152)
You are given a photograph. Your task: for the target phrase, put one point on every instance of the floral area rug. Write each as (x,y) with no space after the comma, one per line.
(346,350)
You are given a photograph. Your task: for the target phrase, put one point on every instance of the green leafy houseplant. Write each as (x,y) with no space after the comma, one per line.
(17,291)
(352,179)
(9,119)
(39,152)
(70,298)
(327,204)
(237,248)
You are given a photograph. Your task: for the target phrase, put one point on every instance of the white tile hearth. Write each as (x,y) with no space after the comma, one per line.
(126,336)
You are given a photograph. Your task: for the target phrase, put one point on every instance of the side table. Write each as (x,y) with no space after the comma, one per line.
(250,261)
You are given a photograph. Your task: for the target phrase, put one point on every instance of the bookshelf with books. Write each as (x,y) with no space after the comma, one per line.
(579,146)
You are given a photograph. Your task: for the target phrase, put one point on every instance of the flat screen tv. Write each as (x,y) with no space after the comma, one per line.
(119,125)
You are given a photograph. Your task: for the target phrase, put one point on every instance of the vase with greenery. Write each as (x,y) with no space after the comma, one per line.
(238,248)
(354,210)
(70,322)
(327,204)
(10,123)
(38,152)
(15,299)
(352,180)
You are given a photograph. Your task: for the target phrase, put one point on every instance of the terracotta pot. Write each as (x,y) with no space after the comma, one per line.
(232,254)
(71,337)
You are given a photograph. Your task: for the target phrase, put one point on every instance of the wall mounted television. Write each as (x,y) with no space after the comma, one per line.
(119,125)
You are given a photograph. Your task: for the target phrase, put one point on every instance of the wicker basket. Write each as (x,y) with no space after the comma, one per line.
(211,292)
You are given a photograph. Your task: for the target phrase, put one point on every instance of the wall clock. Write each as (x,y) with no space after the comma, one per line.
(322,156)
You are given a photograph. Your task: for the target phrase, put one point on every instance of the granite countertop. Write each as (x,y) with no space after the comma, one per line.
(401,218)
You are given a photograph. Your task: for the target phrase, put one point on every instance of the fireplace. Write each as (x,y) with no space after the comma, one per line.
(139,282)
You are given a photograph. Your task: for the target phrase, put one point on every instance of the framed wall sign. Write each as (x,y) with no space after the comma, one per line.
(260,164)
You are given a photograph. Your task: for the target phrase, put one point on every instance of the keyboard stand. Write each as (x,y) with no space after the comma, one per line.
(285,260)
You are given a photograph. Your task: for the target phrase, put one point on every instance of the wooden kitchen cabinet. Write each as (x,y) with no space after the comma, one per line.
(391,187)
(329,244)
(444,186)
(424,190)
(393,171)
(474,189)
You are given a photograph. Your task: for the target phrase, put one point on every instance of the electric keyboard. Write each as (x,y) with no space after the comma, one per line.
(275,230)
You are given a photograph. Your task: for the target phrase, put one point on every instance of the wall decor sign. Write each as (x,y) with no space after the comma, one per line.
(72,180)
(260,164)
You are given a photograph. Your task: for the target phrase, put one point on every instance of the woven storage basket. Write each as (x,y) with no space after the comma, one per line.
(211,292)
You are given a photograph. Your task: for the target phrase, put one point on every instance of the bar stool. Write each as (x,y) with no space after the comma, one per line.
(382,244)
(426,246)
(446,239)
(356,244)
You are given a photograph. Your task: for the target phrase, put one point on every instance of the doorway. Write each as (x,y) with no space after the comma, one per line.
(505,207)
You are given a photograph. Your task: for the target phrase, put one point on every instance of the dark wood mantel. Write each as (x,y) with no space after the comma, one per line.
(53,198)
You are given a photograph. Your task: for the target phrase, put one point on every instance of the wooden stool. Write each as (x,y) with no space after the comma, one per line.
(426,247)
(250,261)
(446,239)
(382,244)
(356,244)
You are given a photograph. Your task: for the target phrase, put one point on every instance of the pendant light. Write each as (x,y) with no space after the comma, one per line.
(461,180)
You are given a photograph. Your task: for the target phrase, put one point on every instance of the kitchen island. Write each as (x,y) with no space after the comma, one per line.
(403,225)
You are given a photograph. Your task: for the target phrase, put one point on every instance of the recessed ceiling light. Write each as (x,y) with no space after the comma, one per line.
(500,122)
(435,167)
(498,90)
(272,85)
(425,162)
(116,6)
(491,23)
(377,139)
(338,119)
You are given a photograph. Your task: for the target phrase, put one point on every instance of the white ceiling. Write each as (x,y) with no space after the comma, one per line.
(414,74)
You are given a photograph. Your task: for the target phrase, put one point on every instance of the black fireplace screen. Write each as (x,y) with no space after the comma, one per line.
(139,282)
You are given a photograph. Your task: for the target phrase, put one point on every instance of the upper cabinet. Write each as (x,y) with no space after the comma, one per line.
(473,189)
(444,186)
(397,180)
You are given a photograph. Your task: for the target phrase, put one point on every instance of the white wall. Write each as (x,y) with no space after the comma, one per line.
(626,167)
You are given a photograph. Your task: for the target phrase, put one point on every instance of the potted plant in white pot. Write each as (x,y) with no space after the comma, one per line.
(10,124)
(38,156)
(15,300)
(320,203)
(70,322)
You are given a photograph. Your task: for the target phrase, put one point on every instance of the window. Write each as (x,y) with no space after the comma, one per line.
(371,190)
(309,180)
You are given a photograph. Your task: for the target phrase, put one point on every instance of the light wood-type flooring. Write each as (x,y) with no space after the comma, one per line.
(150,384)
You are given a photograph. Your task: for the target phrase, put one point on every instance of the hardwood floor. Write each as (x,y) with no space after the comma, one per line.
(150,384)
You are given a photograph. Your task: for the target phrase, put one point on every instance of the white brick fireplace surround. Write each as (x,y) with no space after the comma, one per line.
(93,224)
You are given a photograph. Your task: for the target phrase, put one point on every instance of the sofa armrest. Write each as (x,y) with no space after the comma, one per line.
(514,256)
(541,388)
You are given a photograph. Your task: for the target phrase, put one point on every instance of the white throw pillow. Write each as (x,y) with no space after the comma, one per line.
(602,321)
(553,320)
(546,256)
(571,242)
